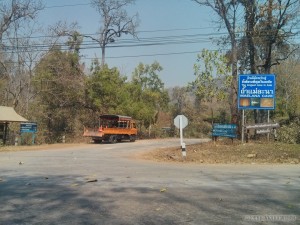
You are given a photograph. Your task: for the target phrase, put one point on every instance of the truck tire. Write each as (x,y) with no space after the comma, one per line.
(97,141)
(132,138)
(112,139)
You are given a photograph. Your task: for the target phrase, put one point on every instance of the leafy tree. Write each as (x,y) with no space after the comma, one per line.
(182,102)
(105,89)
(59,85)
(288,79)
(148,92)
(179,100)
(213,78)
(116,22)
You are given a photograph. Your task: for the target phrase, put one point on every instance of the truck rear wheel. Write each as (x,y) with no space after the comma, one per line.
(97,141)
(113,139)
(132,138)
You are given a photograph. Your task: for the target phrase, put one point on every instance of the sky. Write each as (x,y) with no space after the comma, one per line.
(184,22)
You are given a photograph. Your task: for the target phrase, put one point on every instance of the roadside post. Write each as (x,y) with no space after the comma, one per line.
(256,92)
(29,127)
(181,122)
(224,130)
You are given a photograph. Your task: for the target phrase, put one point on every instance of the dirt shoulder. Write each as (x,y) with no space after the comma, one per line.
(221,152)
(226,152)
(39,147)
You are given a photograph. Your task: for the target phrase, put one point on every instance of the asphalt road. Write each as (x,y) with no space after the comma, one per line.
(104,184)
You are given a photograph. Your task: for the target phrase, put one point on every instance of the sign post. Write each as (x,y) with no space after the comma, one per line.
(181,122)
(224,130)
(256,91)
(29,128)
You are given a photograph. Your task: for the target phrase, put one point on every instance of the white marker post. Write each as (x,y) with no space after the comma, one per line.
(181,122)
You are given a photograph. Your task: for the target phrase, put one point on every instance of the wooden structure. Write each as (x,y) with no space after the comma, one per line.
(8,115)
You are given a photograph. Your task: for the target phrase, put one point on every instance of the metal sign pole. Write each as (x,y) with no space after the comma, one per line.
(243,125)
(268,135)
(181,122)
(183,150)
(181,130)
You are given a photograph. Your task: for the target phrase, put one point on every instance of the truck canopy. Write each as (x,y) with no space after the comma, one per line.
(110,121)
(115,117)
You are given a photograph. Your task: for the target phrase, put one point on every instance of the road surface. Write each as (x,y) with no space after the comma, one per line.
(105,184)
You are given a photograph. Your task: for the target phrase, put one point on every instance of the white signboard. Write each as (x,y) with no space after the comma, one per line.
(182,119)
(181,122)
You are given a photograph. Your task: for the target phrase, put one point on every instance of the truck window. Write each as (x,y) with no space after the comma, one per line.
(123,124)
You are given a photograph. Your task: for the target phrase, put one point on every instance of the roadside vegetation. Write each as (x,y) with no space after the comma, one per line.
(46,80)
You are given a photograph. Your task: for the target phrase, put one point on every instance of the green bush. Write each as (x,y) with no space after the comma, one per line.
(289,133)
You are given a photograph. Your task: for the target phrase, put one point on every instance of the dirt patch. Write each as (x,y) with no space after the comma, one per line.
(228,152)
(38,147)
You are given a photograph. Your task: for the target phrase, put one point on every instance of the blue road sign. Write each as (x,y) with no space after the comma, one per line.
(256,91)
(224,130)
(28,128)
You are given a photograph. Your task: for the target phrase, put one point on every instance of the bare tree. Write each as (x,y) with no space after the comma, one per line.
(15,17)
(227,10)
(269,30)
(17,10)
(277,20)
(116,22)
(250,21)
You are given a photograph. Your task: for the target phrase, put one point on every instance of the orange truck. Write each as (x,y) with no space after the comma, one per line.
(112,128)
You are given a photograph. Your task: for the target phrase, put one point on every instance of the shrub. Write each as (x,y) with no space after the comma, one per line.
(289,133)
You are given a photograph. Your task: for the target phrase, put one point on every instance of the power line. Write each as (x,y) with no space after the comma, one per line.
(63,6)
(126,44)
(209,35)
(150,55)
(176,29)
(156,39)
(136,56)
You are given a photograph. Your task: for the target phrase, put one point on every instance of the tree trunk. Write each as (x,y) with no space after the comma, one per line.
(103,56)
(250,21)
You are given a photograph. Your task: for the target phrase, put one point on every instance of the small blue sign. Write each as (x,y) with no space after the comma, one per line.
(256,91)
(28,128)
(224,130)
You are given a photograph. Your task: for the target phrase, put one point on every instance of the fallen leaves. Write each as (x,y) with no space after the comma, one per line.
(163,189)
(91,180)
(252,155)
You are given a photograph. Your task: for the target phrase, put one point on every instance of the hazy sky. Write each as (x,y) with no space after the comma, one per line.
(182,28)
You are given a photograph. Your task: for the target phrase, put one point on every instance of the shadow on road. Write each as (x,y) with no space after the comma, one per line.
(73,200)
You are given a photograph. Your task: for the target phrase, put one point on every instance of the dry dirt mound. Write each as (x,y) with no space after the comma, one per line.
(226,152)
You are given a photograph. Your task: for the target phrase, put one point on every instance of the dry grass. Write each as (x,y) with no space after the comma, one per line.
(226,152)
